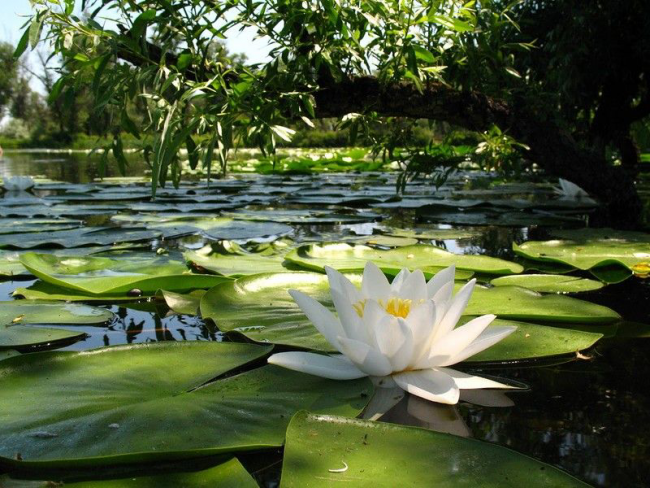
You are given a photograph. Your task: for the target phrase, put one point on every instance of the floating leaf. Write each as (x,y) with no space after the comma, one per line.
(236,264)
(513,302)
(35,312)
(17,320)
(10,264)
(228,474)
(549,283)
(8,353)
(99,236)
(430,259)
(151,402)
(324,450)
(23,337)
(533,341)
(260,308)
(599,251)
(106,276)
(185,304)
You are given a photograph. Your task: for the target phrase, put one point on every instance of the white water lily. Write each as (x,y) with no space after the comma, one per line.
(570,190)
(18,183)
(405,331)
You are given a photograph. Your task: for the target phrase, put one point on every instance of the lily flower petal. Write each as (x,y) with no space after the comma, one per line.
(430,384)
(422,320)
(466,381)
(440,279)
(324,320)
(395,342)
(455,341)
(455,310)
(414,287)
(396,285)
(488,338)
(348,316)
(331,367)
(364,357)
(374,284)
(339,282)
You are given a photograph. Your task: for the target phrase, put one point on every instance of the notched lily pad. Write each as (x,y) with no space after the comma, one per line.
(601,251)
(549,283)
(324,450)
(156,390)
(116,277)
(430,259)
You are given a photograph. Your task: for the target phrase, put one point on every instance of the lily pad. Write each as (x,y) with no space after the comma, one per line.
(549,283)
(386,241)
(229,474)
(213,227)
(324,450)
(106,276)
(10,264)
(431,234)
(35,312)
(430,259)
(8,353)
(513,302)
(303,217)
(603,248)
(185,304)
(533,341)
(23,337)
(42,290)
(88,236)
(24,226)
(17,320)
(236,264)
(260,308)
(151,402)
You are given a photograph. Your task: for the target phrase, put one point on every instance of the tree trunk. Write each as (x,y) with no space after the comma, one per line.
(551,148)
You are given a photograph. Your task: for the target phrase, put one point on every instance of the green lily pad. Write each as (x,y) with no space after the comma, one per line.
(35,312)
(513,302)
(8,353)
(431,234)
(151,402)
(302,217)
(386,241)
(229,474)
(430,259)
(185,304)
(549,283)
(236,264)
(533,341)
(42,290)
(106,276)
(260,308)
(10,265)
(327,451)
(23,337)
(24,226)
(87,236)
(18,320)
(599,250)
(214,227)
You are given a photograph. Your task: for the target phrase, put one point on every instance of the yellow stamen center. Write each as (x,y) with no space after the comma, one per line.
(398,307)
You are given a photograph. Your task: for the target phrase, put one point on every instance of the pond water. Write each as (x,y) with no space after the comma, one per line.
(588,414)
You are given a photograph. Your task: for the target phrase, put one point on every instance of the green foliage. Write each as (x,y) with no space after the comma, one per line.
(194,95)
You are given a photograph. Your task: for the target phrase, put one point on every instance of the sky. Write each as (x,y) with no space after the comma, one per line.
(11,22)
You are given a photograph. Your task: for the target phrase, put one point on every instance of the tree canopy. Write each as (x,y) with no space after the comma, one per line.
(564,79)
